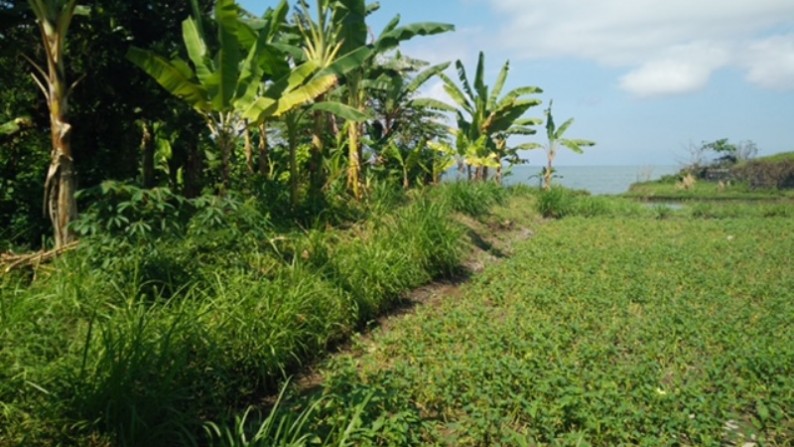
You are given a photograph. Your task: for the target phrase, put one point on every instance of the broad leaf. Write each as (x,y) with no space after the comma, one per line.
(196,49)
(169,77)
(393,38)
(342,110)
(432,104)
(228,57)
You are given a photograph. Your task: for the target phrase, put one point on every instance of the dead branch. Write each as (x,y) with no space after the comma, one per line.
(10,261)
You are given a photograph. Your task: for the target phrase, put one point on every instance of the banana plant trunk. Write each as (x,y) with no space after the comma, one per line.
(316,179)
(548,174)
(147,152)
(225,142)
(249,149)
(60,185)
(354,163)
(264,156)
(292,141)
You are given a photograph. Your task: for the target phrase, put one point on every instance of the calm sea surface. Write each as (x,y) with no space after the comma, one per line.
(596,179)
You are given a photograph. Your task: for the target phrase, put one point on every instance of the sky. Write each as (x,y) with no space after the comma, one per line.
(645,79)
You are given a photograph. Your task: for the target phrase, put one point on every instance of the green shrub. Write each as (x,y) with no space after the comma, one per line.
(556,203)
(471,198)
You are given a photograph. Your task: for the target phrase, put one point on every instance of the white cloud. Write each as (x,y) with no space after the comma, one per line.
(667,46)
(678,70)
(770,62)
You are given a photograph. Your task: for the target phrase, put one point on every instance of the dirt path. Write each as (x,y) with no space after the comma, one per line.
(487,241)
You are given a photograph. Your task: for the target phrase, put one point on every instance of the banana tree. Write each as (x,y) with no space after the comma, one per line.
(224,87)
(354,35)
(393,97)
(485,120)
(444,159)
(555,137)
(53,18)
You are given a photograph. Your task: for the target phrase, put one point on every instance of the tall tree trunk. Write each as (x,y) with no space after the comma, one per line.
(147,152)
(499,174)
(354,162)
(264,157)
(60,185)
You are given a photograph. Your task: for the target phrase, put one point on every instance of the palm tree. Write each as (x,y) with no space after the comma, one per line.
(485,120)
(53,18)
(555,136)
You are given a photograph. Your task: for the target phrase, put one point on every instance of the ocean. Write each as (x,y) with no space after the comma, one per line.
(596,179)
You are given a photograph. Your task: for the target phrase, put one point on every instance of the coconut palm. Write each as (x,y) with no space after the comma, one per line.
(484,120)
(555,136)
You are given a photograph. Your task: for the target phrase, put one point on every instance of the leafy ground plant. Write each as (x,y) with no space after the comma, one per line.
(599,331)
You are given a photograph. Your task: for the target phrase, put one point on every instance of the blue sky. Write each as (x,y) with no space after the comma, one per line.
(645,79)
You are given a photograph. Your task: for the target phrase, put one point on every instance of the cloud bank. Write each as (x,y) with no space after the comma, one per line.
(666,46)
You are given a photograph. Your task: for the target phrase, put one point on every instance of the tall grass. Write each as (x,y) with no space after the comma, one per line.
(139,339)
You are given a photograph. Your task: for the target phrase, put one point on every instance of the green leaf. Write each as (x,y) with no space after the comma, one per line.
(342,110)
(393,38)
(500,83)
(479,79)
(196,49)
(425,76)
(464,81)
(432,104)
(350,17)
(229,56)
(169,77)
(561,130)
(454,92)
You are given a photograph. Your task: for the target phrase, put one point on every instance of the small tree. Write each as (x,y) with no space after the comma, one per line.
(555,136)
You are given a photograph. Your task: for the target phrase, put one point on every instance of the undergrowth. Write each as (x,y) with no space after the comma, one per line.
(150,329)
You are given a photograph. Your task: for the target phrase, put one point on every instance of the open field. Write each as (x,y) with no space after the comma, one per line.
(600,331)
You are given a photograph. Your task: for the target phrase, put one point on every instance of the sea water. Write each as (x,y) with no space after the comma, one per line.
(596,179)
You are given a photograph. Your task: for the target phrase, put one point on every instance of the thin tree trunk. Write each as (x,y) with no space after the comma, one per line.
(547,175)
(224,143)
(60,185)
(499,174)
(147,152)
(264,157)
(354,163)
(316,177)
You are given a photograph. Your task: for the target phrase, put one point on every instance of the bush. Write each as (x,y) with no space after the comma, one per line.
(776,173)
(556,203)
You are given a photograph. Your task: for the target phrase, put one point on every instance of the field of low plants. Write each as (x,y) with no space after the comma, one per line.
(647,328)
